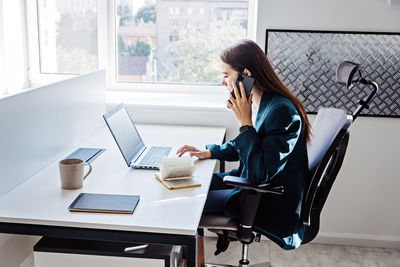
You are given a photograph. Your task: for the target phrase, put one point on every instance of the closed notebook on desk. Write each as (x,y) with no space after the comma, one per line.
(105,203)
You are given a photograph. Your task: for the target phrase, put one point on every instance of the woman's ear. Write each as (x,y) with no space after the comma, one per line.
(247,72)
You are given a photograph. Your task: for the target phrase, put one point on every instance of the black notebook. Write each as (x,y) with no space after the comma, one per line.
(105,203)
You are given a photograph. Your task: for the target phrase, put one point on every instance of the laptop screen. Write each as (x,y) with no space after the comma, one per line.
(124,131)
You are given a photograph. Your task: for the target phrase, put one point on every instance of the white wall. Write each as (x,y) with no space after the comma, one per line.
(363,206)
(351,15)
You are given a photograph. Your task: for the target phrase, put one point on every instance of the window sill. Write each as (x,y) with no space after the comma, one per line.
(168,100)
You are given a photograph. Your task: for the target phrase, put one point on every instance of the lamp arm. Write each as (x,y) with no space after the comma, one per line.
(364,102)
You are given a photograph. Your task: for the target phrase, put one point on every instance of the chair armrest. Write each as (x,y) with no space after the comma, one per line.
(247,184)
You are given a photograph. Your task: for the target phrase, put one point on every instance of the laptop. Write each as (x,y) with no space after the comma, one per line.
(136,154)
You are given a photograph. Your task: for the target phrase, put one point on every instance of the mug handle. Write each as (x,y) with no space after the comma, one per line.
(90,169)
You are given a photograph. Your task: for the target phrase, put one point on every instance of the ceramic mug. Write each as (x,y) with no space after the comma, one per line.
(71,173)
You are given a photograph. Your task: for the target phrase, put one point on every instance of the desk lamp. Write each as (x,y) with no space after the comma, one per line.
(349,74)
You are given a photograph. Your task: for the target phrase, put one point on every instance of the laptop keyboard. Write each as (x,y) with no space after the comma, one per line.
(155,154)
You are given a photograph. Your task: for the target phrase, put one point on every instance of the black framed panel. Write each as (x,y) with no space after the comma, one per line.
(306,62)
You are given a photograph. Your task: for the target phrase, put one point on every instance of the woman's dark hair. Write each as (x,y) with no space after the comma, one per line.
(246,54)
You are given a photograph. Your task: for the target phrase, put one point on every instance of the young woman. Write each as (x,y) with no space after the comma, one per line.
(271,148)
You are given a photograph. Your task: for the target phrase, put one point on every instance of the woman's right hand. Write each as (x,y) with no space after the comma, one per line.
(200,154)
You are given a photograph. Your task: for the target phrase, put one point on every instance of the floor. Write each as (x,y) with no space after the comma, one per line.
(310,255)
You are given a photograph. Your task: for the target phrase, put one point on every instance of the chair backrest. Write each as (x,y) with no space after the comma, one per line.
(326,151)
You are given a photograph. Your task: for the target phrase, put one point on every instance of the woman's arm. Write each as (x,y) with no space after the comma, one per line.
(223,152)
(265,156)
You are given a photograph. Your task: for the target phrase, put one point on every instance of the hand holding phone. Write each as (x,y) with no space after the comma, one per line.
(242,106)
(248,83)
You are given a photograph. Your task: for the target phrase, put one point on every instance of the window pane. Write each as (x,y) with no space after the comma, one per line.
(67,36)
(177,41)
(12,59)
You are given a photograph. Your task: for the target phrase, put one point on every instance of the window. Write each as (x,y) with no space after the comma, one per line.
(173,38)
(173,24)
(67,36)
(172,10)
(2,54)
(176,49)
(174,44)
(13,54)
(200,25)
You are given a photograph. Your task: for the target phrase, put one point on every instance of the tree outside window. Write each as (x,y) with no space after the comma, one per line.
(171,51)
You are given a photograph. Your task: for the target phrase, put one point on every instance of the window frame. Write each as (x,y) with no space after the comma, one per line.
(36,78)
(114,85)
(107,45)
(19,71)
(3,89)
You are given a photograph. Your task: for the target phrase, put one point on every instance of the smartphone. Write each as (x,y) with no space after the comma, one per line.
(247,81)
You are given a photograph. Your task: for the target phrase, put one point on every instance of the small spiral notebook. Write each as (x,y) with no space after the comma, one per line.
(105,203)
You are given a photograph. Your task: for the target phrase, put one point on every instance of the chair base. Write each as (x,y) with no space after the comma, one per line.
(262,264)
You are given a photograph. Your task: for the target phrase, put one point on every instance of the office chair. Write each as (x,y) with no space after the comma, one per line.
(326,151)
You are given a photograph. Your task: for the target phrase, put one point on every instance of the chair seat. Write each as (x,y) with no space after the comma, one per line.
(222,222)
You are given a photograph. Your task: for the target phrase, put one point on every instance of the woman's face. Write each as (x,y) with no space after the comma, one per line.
(229,75)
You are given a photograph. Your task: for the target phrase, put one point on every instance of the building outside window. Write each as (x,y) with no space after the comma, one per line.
(152,41)
(174,10)
(173,24)
(170,48)
(173,38)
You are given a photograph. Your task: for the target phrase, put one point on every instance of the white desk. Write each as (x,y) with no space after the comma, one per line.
(39,205)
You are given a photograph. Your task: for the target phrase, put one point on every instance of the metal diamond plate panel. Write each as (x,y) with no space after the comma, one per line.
(306,62)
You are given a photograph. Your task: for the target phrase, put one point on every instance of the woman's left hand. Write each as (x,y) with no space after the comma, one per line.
(241,106)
